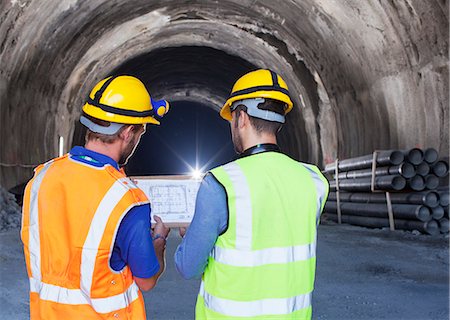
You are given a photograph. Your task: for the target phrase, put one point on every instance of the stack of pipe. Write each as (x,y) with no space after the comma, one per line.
(410,176)
(444,202)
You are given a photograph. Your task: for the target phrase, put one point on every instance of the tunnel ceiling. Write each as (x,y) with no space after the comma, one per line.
(364,75)
(197,73)
(190,73)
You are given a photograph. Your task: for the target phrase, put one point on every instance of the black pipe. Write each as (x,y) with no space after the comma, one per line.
(428,198)
(431,182)
(443,225)
(384,158)
(440,168)
(400,211)
(437,212)
(422,168)
(430,155)
(443,198)
(414,155)
(430,227)
(416,183)
(405,169)
(389,183)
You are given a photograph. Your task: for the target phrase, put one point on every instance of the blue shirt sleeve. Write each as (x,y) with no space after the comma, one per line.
(210,220)
(134,246)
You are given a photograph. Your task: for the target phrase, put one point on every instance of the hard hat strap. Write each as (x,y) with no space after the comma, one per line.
(122,112)
(102,89)
(259,88)
(254,111)
(274,79)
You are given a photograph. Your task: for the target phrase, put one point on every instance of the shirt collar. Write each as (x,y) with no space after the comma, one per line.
(259,148)
(92,157)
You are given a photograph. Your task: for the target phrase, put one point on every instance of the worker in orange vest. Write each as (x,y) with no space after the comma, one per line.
(86,226)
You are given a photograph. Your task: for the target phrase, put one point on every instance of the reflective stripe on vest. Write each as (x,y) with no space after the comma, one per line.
(256,308)
(63,295)
(35,240)
(321,187)
(58,294)
(243,206)
(256,258)
(95,234)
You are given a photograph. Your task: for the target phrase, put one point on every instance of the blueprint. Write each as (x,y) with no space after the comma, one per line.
(172,199)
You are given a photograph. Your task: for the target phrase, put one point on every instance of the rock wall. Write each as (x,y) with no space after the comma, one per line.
(10,212)
(364,75)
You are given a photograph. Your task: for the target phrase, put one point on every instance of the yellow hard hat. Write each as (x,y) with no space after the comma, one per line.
(120,99)
(261,83)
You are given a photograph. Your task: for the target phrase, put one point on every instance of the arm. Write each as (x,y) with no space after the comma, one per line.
(134,247)
(146,284)
(210,220)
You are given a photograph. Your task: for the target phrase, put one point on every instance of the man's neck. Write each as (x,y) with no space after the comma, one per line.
(111,150)
(255,139)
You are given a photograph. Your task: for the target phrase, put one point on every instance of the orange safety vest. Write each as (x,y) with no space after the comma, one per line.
(71,215)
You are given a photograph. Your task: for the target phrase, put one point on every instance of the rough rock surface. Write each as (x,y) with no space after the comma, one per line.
(364,75)
(10,212)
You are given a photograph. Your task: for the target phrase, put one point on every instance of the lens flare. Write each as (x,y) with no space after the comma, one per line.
(196,174)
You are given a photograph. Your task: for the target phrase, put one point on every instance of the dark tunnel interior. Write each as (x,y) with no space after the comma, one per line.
(192,135)
(181,67)
(204,142)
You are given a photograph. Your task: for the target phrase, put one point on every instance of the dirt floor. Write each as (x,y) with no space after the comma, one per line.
(361,274)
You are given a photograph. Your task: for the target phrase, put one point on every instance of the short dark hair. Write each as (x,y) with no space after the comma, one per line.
(105,138)
(261,125)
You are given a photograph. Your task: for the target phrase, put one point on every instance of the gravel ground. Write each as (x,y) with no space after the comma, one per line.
(9,211)
(361,274)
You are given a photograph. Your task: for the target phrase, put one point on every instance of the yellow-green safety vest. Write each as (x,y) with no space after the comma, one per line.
(263,265)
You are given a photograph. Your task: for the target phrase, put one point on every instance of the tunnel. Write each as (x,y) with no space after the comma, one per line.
(363,75)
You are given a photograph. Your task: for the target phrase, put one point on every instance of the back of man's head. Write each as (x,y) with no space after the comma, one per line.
(254,90)
(261,125)
(116,103)
(105,138)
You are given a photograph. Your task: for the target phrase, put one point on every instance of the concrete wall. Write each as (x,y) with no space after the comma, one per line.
(364,75)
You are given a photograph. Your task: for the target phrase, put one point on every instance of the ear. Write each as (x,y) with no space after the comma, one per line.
(127,133)
(243,119)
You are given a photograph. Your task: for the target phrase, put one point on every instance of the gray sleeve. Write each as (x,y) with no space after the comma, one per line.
(210,220)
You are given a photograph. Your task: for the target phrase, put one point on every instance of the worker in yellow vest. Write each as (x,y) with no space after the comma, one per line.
(85,225)
(253,235)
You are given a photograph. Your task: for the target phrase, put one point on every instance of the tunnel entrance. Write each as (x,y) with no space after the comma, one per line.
(188,73)
(196,80)
(191,136)
(205,75)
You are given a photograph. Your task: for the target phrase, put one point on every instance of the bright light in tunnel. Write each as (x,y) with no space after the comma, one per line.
(195,139)
(196,174)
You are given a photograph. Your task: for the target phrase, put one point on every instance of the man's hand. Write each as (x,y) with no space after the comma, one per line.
(182,231)
(160,228)
(159,235)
